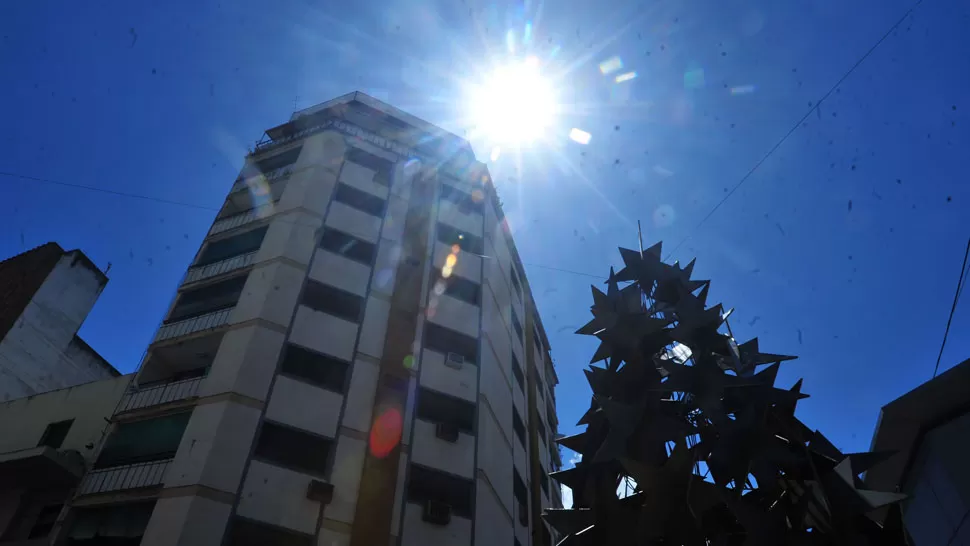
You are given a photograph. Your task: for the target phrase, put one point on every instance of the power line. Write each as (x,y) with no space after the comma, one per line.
(205,207)
(796,126)
(105,190)
(953,308)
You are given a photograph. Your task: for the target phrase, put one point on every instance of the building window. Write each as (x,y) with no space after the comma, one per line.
(515,282)
(538,342)
(143,441)
(381,167)
(45,521)
(348,246)
(516,325)
(244,243)
(454,236)
(277,161)
(246,532)
(465,201)
(519,489)
(207,299)
(517,373)
(540,386)
(541,427)
(294,449)
(441,408)
(518,426)
(55,433)
(444,340)
(550,411)
(333,301)
(543,480)
(315,368)
(462,289)
(360,200)
(425,484)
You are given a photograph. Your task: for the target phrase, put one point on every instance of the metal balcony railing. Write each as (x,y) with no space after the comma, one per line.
(243,218)
(193,325)
(124,477)
(154,395)
(270,176)
(218,268)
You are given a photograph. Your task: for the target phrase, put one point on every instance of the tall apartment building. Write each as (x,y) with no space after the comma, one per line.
(45,295)
(353,358)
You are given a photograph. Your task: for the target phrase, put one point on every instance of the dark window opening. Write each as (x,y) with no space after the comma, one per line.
(538,342)
(462,289)
(519,489)
(246,532)
(244,243)
(294,449)
(55,433)
(465,201)
(517,372)
(516,325)
(206,299)
(425,484)
(518,426)
(45,521)
(541,427)
(274,162)
(144,441)
(317,369)
(381,167)
(454,236)
(441,408)
(540,386)
(348,246)
(333,301)
(543,480)
(360,200)
(515,282)
(444,340)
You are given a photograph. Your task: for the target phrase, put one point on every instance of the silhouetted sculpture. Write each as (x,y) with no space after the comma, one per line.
(677,396)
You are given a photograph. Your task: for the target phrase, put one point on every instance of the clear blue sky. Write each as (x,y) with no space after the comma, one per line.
(162,99)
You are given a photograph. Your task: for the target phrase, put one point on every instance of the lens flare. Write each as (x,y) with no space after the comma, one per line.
(579,136)
(385,433)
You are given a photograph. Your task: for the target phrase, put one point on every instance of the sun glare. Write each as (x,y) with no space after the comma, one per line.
(514,105)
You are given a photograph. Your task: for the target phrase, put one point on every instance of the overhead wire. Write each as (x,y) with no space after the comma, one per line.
(197,206)
(795,127)
(953,308)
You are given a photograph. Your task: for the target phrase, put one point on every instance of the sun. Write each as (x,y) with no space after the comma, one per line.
(514,105)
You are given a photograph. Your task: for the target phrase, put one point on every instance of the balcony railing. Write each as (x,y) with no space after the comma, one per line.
(154,395)
(192,325)
(124,477)
(218,268)
(243,218)
(275,174)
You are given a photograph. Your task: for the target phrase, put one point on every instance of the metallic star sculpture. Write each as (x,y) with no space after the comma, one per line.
(694,420)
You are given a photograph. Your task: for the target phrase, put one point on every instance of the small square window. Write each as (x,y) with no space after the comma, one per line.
(55,433)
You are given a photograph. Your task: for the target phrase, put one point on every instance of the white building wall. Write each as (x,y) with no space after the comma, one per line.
(40,353)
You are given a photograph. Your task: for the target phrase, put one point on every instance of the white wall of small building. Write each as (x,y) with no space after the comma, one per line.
(40,353)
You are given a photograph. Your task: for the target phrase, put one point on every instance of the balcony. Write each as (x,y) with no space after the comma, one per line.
(193,325)
(158,394)
(125,477)
(219,268)
(242,218)
(270,176)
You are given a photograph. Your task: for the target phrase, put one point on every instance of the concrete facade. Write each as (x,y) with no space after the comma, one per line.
(46,443)
(48,294)
(340,364)
(925,433)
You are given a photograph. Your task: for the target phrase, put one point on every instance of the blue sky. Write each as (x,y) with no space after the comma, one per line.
(843,247)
